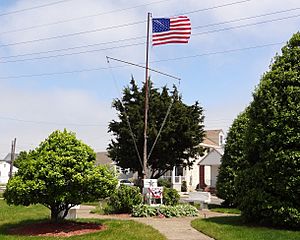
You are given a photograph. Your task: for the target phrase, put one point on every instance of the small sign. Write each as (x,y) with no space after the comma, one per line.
(150,183)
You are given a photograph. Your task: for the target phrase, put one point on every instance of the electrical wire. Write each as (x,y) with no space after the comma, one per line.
(101,29)
(247,18)
(213,121)
(71,35)
(220,52)
(97,44)
(32,8)
(162,60)
(129,45)
(70,54)
(246,25)
(214,7)
(52,123)
(79,18)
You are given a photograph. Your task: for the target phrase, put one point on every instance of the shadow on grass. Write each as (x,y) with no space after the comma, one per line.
(238,221)
(5,227)
(226,220)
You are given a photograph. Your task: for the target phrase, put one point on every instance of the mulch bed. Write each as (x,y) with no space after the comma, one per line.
(62,229)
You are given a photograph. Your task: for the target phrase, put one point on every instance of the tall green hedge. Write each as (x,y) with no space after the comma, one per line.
(233,160)
(269,190)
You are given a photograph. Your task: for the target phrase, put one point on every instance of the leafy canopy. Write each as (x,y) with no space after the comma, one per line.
(178,142)
(59,174)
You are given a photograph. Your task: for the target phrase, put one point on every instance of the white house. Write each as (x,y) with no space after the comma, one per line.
(5,168)
(205,169)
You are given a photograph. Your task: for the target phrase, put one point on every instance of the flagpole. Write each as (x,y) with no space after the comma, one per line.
(145,164)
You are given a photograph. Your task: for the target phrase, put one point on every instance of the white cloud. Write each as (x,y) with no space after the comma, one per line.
(47,111)
(73,99)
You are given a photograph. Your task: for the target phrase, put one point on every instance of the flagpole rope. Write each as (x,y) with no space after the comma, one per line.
(160,130)
(126,116)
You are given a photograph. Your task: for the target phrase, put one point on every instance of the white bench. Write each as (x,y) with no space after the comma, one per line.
(204,198)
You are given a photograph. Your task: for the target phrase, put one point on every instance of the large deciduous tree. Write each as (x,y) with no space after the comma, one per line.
(269,190)
(233,159)
(178,142)
(59,174)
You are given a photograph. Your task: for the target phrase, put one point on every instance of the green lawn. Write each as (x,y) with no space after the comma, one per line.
(116,230)
(231,228)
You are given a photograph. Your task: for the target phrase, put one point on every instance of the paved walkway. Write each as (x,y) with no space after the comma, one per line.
(172,228)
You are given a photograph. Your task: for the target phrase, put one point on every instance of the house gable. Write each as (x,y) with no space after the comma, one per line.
(214,137)
(213,158)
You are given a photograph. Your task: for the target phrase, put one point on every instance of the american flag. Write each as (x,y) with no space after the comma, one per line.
(171,30)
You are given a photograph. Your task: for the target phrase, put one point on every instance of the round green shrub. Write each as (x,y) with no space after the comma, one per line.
(123,200)
(170,196)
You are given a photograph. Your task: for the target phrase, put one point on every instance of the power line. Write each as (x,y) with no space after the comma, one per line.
(220,52)
(66,49)
(215,7)
(69,35)
(97,44)
(52,123)
(72,53)
(246,25)
(101,29)
(31,8)
(129,45)
(247,18)
(163,60)
(80,18)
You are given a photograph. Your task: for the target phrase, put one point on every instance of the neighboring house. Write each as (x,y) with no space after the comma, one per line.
(5,168)
(205,169)
(102,158)
(210,163)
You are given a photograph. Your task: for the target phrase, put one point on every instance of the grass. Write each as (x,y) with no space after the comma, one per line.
(228,228)
(99,209)
(218,208)
(95,203)
(116,229)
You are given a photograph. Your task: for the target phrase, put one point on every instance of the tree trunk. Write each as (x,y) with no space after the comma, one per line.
(54,213)
(59,212)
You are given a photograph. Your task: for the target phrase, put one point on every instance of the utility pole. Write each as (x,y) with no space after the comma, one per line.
(12,156)
(145,159)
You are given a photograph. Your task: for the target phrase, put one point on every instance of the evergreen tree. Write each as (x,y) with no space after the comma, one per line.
(269,190)
(233,160)
(180,137)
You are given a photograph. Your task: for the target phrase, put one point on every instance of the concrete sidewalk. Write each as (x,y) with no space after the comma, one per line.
(172,228)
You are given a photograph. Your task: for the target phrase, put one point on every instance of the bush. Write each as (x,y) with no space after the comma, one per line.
(182,210)
(143,210)
(164,182)
(123,200)
(170,196)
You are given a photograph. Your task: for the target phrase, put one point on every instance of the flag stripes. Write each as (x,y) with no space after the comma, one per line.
(170,30)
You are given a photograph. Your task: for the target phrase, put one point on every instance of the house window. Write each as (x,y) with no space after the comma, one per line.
(4,165)
(179,171)
(221,139)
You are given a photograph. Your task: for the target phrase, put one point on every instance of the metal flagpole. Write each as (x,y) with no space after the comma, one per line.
(145,159)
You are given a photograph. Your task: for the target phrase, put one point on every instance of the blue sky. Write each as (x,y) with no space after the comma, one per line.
(33,106)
